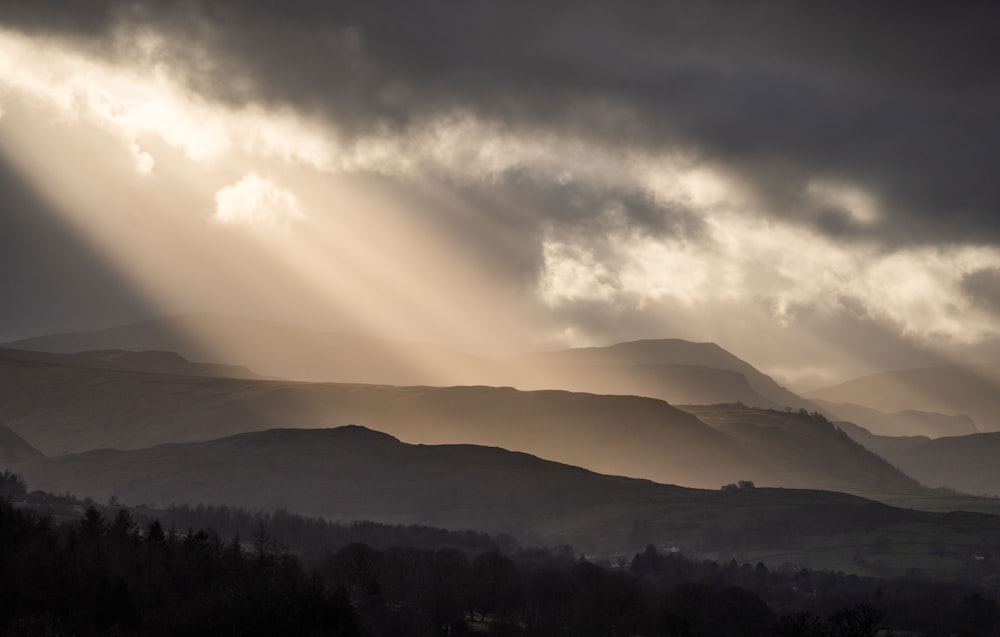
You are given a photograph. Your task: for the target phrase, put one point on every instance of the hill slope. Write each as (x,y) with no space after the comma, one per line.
(64,409)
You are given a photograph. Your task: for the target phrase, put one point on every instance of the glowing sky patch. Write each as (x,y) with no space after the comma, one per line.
(498,216)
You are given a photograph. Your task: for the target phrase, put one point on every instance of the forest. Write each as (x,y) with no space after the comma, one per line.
(115,571)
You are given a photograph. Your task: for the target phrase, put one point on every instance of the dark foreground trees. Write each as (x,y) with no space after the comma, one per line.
(107,574)
(101,577)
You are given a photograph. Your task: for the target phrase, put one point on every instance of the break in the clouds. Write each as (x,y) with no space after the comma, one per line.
(610,165)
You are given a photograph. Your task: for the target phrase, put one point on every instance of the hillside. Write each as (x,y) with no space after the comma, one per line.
(966,463)
(671,369)
(801,444)
(947,390)
(63,409)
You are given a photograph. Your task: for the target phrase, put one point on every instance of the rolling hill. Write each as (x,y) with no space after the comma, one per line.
(352,473)
(65,409)
(947,390)
(670,369)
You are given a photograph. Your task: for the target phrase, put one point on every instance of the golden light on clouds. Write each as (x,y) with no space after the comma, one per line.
(256,201)
(746,259)
(328,248)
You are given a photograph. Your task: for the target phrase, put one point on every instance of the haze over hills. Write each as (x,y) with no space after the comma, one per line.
(966,463)
(972,390)
(643,360)
(355,473)
(670,369)
(64,409)
(900,423)
(158,362)
(277,349)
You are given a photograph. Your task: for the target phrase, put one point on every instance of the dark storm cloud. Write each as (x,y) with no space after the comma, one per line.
(983,288)
(898,98)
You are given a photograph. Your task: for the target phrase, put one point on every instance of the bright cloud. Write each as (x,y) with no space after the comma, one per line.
(145,99)
(256,201)
(746,259)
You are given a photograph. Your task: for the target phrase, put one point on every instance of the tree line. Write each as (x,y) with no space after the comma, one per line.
(111,571)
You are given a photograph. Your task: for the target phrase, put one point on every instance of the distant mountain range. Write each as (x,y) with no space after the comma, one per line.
(355,473)
(952,390)
(156,362)
(899,423)
(641,362)
(671,369)
(63,408)
(970,464)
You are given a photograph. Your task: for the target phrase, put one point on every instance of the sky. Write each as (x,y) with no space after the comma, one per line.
(811,186)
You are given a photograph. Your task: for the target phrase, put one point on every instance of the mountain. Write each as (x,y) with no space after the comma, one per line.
(955,389)
(645,358)
(966,463)
(14,448)
(900,423)
(800,444)
(275,349)
(64,409)
(673,370)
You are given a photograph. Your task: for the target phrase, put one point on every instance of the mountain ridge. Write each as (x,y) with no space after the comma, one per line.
(63,409)
(299,353)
